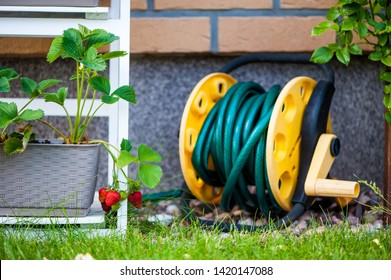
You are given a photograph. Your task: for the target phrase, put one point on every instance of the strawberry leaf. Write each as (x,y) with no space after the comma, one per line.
(100,83)
(72,43)
(17,143)
(4,85)
(150,174)
(13,146)
(124,159)
(113,54)
(30,115)
(146,154)
(56,49)
(109,99)
(126,145)
(93,61)
(28,85)
(99,37)
(58,97)
(9,74)
(8,113)
(127,93)
(84,31)
(47,83)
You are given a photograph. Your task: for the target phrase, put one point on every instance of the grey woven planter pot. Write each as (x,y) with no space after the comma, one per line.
(49,180)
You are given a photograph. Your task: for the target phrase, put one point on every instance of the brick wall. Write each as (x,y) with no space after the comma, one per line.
(229,26)
(210,26)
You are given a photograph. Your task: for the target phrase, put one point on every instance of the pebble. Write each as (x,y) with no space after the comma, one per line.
(247,222)
(369,218)
(307,216)
(353,220)
(302,225)
(161,218)
(173,210)
(335,220)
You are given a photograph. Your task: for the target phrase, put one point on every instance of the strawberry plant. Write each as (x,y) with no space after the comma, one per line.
(370,22)
(82,46)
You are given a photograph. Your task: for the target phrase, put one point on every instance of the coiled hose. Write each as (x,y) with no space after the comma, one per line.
(234,135)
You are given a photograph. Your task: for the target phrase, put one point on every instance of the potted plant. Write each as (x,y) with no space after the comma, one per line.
(359,23)
(54,177)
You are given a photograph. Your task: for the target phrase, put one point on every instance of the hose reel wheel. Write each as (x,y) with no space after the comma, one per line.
(283,140)
(201,100)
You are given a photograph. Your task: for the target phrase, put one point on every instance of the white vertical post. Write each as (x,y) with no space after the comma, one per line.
(119,75)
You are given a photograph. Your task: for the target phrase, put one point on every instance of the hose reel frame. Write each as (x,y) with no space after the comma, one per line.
(313,117)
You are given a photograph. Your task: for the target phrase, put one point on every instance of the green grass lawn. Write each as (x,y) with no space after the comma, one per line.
(190,242)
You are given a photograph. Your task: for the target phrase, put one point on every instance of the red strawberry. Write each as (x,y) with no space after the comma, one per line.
(105,207)
(136,199)
(112,197)
(102,194)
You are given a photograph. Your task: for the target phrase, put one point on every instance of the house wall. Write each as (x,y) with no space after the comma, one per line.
(174,43)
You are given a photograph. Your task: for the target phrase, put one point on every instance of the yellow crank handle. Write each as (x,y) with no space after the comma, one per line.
(316,183)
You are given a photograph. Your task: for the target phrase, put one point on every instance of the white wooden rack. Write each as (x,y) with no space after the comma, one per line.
(114,19)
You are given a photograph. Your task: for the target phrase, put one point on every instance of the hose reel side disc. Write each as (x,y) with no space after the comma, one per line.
(284,139)
(200,102)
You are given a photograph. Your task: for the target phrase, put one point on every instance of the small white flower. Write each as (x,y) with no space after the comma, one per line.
(377,242)
(84,257)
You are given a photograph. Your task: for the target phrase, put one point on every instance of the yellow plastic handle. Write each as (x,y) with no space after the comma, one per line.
(316,184)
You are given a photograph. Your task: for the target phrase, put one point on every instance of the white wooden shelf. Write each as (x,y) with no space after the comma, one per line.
(95,217)
(54,9)
(89,13)
(58,3)
(114,19)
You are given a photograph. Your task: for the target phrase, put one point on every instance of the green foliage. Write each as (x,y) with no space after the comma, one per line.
(379,207)
(82,46)
(370,21)
(149,174)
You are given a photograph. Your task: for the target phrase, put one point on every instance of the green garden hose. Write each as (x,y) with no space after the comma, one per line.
(234,134)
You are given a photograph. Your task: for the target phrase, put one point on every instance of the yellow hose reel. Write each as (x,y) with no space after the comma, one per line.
(283,143)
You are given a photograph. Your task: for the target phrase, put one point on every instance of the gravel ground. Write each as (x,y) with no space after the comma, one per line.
(357,214)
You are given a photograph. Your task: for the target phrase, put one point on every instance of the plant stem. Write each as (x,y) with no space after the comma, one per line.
(27,104)
(92,102)
(76,131)
(86,92)
(105,143)
(92,105)
(92,116)
(68,118)
(55,129)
